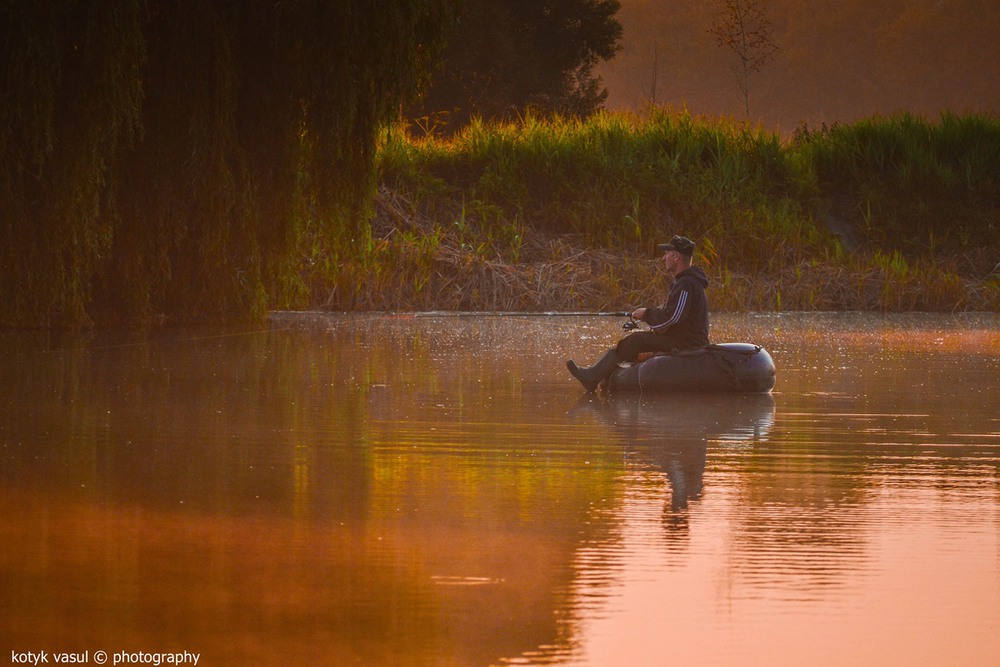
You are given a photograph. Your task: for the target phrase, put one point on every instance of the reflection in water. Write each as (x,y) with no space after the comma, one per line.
(300,494)
(435,491)
(874,496)
(664,437)
(672,431)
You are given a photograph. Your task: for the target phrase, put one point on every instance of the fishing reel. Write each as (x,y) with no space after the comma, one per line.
(631,324)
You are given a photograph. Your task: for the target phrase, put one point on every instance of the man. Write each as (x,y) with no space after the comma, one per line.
(680,324)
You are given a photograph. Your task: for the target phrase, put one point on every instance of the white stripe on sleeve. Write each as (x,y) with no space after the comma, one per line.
(678,312)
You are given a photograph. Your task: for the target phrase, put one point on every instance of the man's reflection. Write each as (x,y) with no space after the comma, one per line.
(672,433)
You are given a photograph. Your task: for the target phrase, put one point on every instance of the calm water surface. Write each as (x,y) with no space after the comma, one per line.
(438,491)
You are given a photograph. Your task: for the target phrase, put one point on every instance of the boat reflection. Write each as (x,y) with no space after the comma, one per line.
(673,433)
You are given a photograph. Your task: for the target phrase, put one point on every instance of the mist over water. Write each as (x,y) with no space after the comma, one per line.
(437,490)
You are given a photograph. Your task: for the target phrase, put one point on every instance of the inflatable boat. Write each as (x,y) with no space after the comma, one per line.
(723,367)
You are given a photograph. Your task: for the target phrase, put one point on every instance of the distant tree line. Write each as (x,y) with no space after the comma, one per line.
(506,58)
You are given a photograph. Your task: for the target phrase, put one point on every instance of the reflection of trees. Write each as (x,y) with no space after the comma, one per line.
(218,424)
(386,485)
(418,486)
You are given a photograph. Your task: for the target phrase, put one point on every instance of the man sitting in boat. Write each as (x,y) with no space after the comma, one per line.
(680,324)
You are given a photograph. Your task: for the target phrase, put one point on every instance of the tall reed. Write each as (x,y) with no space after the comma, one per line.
(914,185)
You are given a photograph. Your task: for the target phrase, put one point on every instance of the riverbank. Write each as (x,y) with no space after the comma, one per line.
(891,214)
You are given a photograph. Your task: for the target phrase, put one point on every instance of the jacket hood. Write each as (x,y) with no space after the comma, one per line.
(696,273)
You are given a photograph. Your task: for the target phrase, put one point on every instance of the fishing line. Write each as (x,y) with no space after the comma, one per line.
(295,319)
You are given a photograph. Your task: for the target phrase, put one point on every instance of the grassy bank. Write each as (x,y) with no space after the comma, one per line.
(893,213)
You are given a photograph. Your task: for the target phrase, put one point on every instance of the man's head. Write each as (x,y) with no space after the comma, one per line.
(677,253)
(679,244)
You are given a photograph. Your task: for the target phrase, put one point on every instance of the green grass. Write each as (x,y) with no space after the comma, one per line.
(891,213)
(920,187)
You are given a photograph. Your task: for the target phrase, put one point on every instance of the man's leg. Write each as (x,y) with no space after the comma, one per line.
(632,345)
(591,377)
(628,349)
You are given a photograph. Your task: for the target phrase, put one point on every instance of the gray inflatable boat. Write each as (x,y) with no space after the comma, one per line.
(722,367)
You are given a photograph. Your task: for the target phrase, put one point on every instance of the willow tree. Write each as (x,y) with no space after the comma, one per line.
(162,157)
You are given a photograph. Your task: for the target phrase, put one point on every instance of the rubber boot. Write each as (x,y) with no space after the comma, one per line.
(592,377)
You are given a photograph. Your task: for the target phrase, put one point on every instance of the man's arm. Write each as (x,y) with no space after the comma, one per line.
(670,314)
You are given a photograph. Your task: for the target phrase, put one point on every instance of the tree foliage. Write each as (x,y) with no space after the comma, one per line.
(745,30)
(164,157)
(507,57)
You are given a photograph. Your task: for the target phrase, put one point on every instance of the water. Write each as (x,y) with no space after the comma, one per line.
(438,491)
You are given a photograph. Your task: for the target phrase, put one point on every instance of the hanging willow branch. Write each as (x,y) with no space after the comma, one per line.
(164,157)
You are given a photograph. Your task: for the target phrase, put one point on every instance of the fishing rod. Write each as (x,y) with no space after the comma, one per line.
(630,324)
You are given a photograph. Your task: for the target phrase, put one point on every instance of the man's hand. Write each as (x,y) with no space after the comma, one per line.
(638,313)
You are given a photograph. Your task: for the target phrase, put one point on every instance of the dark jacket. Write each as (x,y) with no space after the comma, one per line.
(684,317)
